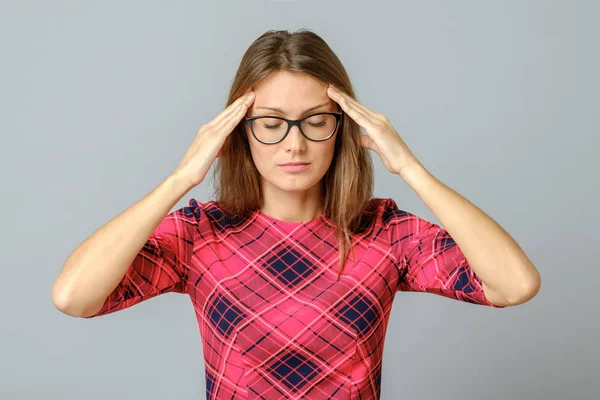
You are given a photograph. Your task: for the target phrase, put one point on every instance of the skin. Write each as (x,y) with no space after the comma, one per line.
(291,197)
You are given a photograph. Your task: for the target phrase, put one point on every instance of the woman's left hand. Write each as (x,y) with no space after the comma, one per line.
(381,136)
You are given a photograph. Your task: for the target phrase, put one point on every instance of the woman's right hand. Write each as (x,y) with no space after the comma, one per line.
(206,147)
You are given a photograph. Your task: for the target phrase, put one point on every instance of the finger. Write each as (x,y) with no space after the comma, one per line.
(368,113)
(354,113)
(347,101)
(366,142)
(234,116)
(232,108)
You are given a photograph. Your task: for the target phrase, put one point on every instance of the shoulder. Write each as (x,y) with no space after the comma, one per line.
(211,213)
(379,214)
(397,221)
(387,211)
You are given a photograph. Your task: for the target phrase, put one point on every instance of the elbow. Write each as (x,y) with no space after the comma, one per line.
(531,288)
(63,302)
(60,294)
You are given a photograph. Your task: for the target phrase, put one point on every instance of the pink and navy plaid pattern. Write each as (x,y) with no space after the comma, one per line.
(275,322)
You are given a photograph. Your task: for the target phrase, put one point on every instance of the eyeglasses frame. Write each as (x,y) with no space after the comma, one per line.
(295,122)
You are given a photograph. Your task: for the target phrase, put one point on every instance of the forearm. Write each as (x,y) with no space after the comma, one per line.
(95,268)
(492,253)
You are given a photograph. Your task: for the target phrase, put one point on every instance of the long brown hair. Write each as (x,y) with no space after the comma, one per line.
(348,183)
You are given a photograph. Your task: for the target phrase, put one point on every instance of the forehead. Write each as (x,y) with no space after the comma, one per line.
(291,92)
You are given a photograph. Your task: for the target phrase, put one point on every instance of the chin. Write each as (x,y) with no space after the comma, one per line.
(297,187)
(297,184)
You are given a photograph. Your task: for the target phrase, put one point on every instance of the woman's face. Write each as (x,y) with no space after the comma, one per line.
(294,94)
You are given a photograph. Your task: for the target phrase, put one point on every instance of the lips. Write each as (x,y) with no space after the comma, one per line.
(295,163)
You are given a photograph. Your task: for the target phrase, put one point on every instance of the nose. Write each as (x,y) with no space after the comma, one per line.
(295,140)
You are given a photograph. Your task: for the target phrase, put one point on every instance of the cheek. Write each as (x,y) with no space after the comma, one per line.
(327,154)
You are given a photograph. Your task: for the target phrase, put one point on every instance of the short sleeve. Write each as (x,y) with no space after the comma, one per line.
(429,260)
(162,264)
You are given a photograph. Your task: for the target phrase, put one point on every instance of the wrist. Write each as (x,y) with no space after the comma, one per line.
(413,173)
(178,183)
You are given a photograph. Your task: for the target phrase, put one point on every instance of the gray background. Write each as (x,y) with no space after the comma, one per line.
(498,99)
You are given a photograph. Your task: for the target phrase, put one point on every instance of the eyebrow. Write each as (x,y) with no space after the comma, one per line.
(279,110)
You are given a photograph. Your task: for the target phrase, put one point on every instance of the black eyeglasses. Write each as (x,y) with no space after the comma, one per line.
(317,127)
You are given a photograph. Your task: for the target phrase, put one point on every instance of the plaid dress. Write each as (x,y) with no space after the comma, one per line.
(275,322)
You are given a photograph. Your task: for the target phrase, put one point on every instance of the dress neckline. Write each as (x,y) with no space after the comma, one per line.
(289,224)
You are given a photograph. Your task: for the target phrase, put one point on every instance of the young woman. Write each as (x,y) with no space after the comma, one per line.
(293,269)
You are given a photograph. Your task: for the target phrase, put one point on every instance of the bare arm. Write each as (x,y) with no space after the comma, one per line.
(95,268)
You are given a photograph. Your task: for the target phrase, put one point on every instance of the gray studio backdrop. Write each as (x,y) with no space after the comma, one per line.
(498,99)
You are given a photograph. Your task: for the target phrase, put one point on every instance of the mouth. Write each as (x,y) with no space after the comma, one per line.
(294,164)
(294,167)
